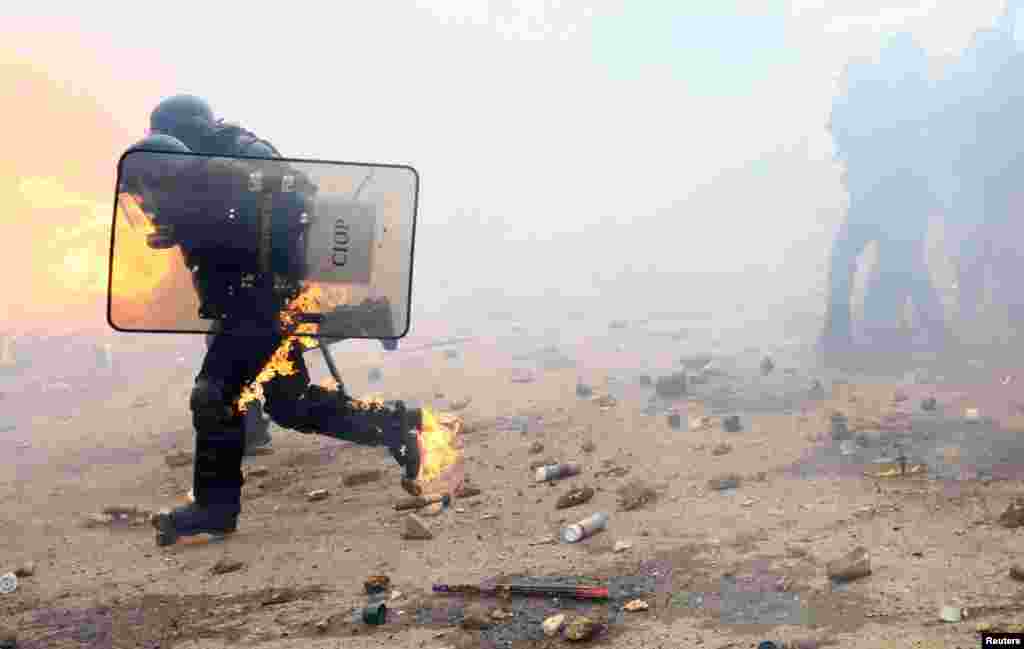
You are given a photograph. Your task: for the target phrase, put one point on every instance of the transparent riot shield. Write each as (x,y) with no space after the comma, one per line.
(249,246)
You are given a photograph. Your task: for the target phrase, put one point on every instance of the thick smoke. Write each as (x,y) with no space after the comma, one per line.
(917,150)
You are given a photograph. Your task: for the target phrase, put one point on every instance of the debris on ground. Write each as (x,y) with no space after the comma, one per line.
(840,430)
(257,472)
(8,583)
(419,502)
(585,528)
(1017,572)
(1013,517)
(467,491)
(725,481)
(618,324)
(580,628)
(584,391)
(500,614)
(697,362)
(317,495)
(636,605)
(416,529)
(356,478)
(854,565)
(375,374)
(460,404)
(535,448)
(537,464)
(817,391)
(557,471)
(645,380)
(722,448)
(476,617)
(543,540)
(376,584)
(523,376)
(635,495)
(972,416)
(672,386)
(375,613)
(606,402)
(767,366)
(731,424)
(451,353)
(700,423)
(225,566)
(675,421)
(951,614)
(25,570)
(553,625)
(574,497)
(178,459)
(622,546)
(588,446)
(929,404)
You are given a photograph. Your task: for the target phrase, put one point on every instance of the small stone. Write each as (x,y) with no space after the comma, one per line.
(726,481)
(467,491)
(375,374)
(854,565)
(581,628)
(1013,517)
(178,459)
(700,423)
(607,401)
(535,448)
(588,447)
(1017,572)
(622,546)
(416,529)
(731,424)
(929,404)
(460,404)
(950,614)
(96,520)
(574,497)
(636,605)
(475,617)
(584,391)
(317,494)
(323,625)
(356,478)
(767,366)
(396,595)
(26,570)
(544,540)
(723,448)
(553,625)
(225,566)
(499,614)
(548,461)
(257,472)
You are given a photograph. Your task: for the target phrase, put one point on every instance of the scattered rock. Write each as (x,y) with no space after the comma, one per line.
(544,540)
(439,395)
(356,478)
(1013,517)
(225,565)
(96,520)
(467,491)
(323,625)
(929,404)
(553,625)
(1017,572)
(317,494)
(534,449)
(726,481)
(257,472)
(607,402)
(476,617)
(26,570)
(767,366)
(460,404)
(584,391)
(574,498)
(416,529)
(731,424)
(724,448)
(700,423)
(672,386)
(622,546)
(396,595)
(588,447)
(178,459)
(581,628)
(635,495)
(854,565)
(636,605)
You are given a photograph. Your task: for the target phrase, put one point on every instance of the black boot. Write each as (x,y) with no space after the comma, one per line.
(189,521)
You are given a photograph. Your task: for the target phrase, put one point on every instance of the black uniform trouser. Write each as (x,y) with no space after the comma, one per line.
(233,362)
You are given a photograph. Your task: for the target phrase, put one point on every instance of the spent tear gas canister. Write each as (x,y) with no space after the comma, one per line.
(556,471)
(585,528)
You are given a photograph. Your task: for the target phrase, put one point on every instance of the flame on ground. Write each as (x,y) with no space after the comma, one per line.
(441,453)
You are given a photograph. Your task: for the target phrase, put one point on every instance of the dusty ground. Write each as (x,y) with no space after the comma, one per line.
(719,569)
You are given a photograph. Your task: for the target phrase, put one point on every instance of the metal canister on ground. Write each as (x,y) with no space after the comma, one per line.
(557,471)
(585,528)
(375,613)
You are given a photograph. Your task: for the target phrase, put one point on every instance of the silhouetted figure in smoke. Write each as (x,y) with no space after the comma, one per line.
(983,100)
(879,127)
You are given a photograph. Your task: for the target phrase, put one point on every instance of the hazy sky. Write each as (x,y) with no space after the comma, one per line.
(701,122)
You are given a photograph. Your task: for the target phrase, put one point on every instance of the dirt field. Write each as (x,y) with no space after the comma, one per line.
(717,568)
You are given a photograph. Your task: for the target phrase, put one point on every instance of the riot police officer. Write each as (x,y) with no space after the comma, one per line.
(232,362)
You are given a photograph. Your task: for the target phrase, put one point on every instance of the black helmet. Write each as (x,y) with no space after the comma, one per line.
(161,142)
(186,117)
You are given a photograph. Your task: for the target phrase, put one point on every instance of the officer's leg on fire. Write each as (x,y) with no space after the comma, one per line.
(293,402)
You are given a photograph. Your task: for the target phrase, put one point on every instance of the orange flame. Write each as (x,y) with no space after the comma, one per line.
(441,468)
